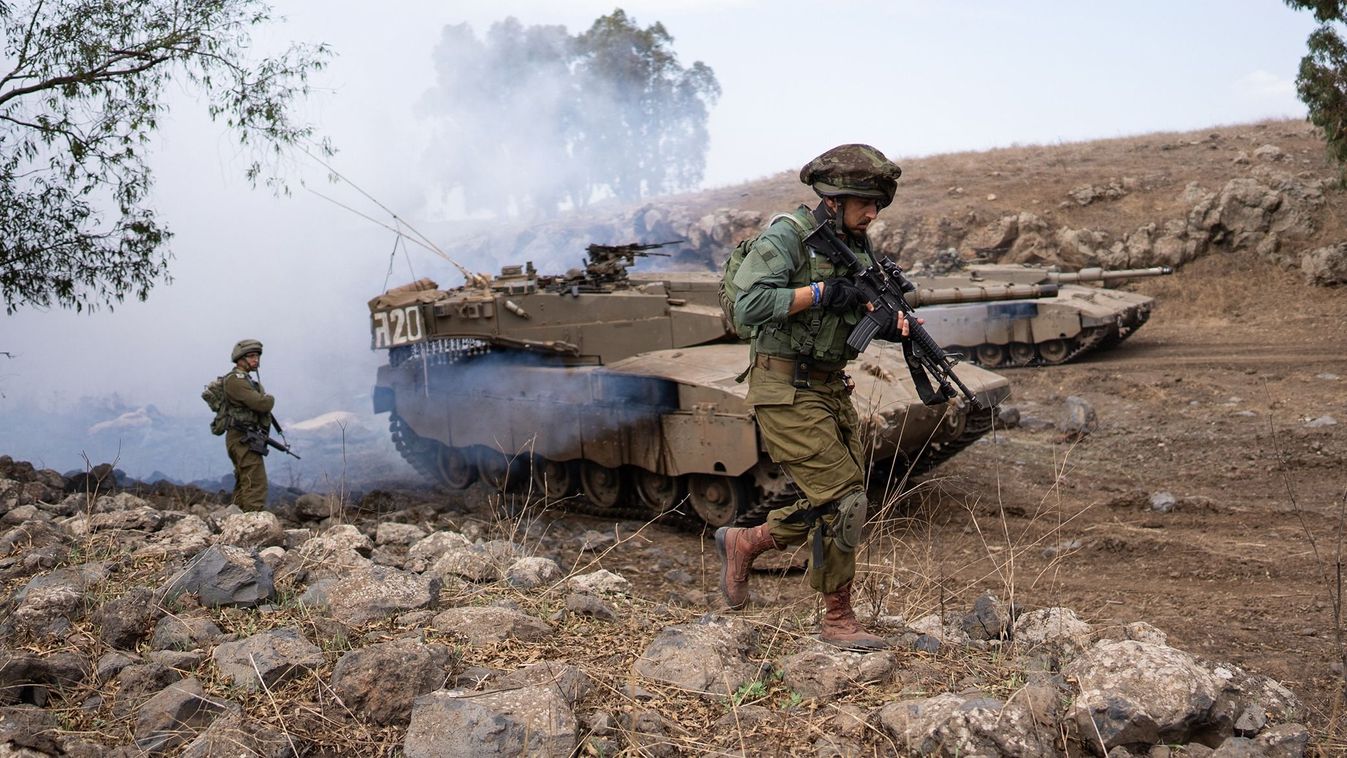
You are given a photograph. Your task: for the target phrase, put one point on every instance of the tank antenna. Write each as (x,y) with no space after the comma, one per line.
(415,236)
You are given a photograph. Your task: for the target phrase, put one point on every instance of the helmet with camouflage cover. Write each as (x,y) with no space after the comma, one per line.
(243,347)
(853,169)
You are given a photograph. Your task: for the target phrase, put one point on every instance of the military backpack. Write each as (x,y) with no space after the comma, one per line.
(214,395)
(729,292)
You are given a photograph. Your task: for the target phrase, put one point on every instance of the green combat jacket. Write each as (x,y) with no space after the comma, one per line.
(777,263)
(246,403)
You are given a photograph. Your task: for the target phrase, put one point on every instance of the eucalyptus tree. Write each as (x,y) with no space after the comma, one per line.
(84,85)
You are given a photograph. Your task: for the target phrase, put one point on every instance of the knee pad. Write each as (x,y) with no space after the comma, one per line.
(851,511)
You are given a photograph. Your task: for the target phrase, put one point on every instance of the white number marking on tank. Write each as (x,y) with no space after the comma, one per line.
(397,327)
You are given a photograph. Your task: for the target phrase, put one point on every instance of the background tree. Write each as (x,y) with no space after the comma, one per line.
(82,89)
(1322,81)
(529,118)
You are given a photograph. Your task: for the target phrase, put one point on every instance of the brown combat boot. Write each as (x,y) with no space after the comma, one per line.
(840,627)
(738,548)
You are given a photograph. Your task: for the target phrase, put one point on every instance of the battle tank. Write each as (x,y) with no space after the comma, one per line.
(616,392)
(1080,319)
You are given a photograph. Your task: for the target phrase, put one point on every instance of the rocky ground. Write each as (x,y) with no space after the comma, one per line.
(1140,589)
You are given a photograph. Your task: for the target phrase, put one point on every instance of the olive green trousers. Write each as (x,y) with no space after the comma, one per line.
(813,434)
(250,473)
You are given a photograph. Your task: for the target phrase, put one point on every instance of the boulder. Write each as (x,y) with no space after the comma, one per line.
(428,550)
(267,658)
(1325,266)
(374,593)
(989,619)
(170,718)
(389,533)
(1051,625)
(125,621)
(532,573)
(486,624)
(224,575)
(823,671)
(254,530)
(600,582)
(972,724)
(1077,418)
(28,678)
(534,720)
(1139,693)
(380,682)
(709,656)
(184,633)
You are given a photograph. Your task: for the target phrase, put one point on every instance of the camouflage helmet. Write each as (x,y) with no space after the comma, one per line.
(243,347)
(854,169)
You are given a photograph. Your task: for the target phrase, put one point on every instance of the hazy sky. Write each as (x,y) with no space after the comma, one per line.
(912,78)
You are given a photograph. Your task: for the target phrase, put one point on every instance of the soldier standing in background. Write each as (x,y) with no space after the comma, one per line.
(248,409)
(802,310)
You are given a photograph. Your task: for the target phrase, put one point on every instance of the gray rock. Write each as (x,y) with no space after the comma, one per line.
(29,678)
(47,611)
(224,575)
(390,533)
(125,621)
(586,604)
(274,656)
(139,682)
(1269,153)
(1163,502)
(1051,625)
(1077,417)
(1284,741)
(476,563)
(1142,631)
(1320,422)
(1008,416)
(170,718)
(377,592)
(600,582)
(709,656)
(989,619)
(184,633)
(532,573)
(427,551)
(569,681)
(485,624)
(1140,693)
(533,721)
(381,681)
(189,536)
(822,671)
(34,731)
(967,725)
(111,664)
(314,507)
(179,660)
(232,736)
(255,530)
(1325,266)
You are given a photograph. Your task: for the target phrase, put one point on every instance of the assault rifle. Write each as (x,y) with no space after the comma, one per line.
(883,285)
(258,441)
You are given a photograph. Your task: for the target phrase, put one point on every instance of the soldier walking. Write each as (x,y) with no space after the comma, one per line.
(248,409)
(801,311)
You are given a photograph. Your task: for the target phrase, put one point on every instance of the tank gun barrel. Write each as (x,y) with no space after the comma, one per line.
(1102,275)
(979,294)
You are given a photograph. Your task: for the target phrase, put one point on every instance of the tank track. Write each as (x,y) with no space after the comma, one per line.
(421,454)
(418,451)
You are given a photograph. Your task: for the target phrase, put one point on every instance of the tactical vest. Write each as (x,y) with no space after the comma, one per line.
(813,331)
(239,415)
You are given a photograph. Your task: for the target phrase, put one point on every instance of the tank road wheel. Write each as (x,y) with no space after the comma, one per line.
(604,486)
(717,499)
(556,480)
(1022,354)
(1054,351)
(455,468)
(658,492)
(501,471)
(990,355)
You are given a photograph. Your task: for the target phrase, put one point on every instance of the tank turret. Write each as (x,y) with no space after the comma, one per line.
(616,391)
(1079,319)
